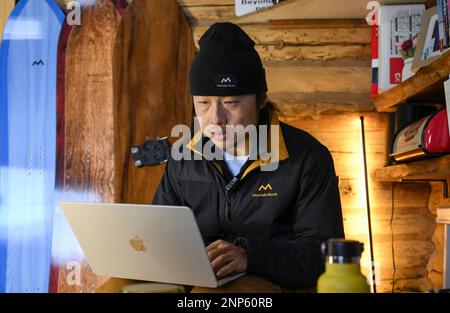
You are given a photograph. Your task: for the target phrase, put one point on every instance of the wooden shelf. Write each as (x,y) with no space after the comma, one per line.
(426,85)
(437,169)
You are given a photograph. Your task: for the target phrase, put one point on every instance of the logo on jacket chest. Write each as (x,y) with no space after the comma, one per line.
(265,190)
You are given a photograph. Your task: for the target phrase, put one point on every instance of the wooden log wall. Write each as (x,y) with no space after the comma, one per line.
(436,262)
(319,78)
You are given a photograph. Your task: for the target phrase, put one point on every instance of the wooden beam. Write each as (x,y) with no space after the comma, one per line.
(208,15)
(186,3)
(263,34)
(282,52)
(328,77)
(319,23)
(297,105)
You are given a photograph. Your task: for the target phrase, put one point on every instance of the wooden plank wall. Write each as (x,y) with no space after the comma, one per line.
(320,79)
(436,262)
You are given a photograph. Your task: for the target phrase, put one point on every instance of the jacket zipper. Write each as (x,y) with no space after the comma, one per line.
(228,189)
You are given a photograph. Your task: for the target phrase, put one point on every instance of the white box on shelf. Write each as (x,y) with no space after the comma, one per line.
(397,23)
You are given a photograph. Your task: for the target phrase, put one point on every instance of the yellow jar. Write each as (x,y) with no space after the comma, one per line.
(342,269)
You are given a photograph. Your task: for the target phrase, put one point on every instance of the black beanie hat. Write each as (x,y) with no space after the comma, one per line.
(227,64)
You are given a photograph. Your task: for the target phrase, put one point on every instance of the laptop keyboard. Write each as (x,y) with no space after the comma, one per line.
(227,279)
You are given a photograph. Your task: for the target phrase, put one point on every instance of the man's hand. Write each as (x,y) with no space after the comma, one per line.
(226,258)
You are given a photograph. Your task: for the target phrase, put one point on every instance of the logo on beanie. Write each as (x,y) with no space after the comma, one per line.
(226,81)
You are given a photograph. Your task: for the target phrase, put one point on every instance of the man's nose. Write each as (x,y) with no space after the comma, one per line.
(218,114)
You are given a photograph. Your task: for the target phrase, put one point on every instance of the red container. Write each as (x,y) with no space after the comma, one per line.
(427,137)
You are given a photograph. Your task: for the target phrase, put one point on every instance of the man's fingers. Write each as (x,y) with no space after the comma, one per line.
(227,269)
(222,260)
(215,245)
(213,254)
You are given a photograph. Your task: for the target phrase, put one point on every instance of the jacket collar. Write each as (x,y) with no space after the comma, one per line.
(282,155)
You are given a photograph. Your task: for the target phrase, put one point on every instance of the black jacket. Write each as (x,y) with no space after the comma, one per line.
(280,218)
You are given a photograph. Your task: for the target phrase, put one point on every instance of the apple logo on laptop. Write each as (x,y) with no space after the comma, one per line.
(138,244)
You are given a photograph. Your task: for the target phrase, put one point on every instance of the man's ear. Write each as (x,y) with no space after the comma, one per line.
(262,100)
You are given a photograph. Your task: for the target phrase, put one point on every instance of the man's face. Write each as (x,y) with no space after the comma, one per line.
(215,113)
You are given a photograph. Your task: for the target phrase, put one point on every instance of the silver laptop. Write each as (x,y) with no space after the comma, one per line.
(143,242)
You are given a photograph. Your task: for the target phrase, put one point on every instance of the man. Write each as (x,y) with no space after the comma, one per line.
(268,223)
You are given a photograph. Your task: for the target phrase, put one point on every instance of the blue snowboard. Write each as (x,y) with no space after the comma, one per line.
(28,59)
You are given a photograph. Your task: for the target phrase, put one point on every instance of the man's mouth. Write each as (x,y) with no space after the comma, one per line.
(219,135)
